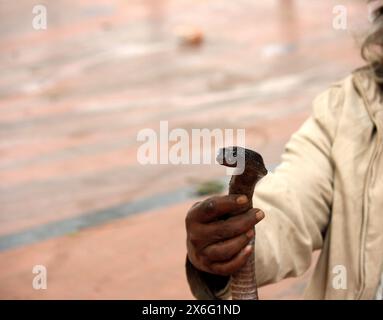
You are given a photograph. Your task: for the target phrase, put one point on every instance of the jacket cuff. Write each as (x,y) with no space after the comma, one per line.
(207,286)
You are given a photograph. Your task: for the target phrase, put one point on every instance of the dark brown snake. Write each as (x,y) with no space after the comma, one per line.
(244,284)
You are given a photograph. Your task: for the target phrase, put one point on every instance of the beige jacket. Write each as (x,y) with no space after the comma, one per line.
(326,194)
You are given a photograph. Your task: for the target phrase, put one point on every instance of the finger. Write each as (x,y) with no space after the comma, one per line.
(195,204)
(189,216)
(230,267)
(226,250)
(227,229)
(215,207)
(203,235)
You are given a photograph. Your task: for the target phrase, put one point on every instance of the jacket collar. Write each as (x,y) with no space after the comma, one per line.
(371,93)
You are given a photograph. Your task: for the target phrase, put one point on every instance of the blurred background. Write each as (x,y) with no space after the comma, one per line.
(73,97)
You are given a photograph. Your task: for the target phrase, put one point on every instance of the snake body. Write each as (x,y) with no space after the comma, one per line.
(244,284)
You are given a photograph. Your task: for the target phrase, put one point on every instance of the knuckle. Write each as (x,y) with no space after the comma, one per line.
(210,205)
(239,227)
(206,255)
(194,240)
(188,220)
(224,231)
(195,204)
(201,263)
(205,261)
(191,211)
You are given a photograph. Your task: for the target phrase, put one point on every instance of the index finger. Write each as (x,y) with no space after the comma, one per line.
(216,207)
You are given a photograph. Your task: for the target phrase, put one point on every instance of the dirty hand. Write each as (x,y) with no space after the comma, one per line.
(217,246)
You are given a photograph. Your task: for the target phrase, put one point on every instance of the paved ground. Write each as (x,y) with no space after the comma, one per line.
(137,258)
(74,97)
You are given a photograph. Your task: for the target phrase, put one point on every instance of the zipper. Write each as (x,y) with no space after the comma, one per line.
(366,196)
(365,219)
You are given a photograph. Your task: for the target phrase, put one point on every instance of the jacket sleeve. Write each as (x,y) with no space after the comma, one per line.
(296,199)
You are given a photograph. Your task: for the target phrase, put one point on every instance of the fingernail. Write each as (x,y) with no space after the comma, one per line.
(242,200)
(250,233)
(248,248)
(260,215)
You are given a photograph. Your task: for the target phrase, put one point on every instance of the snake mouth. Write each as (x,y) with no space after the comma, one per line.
(235,157)
(231,156)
